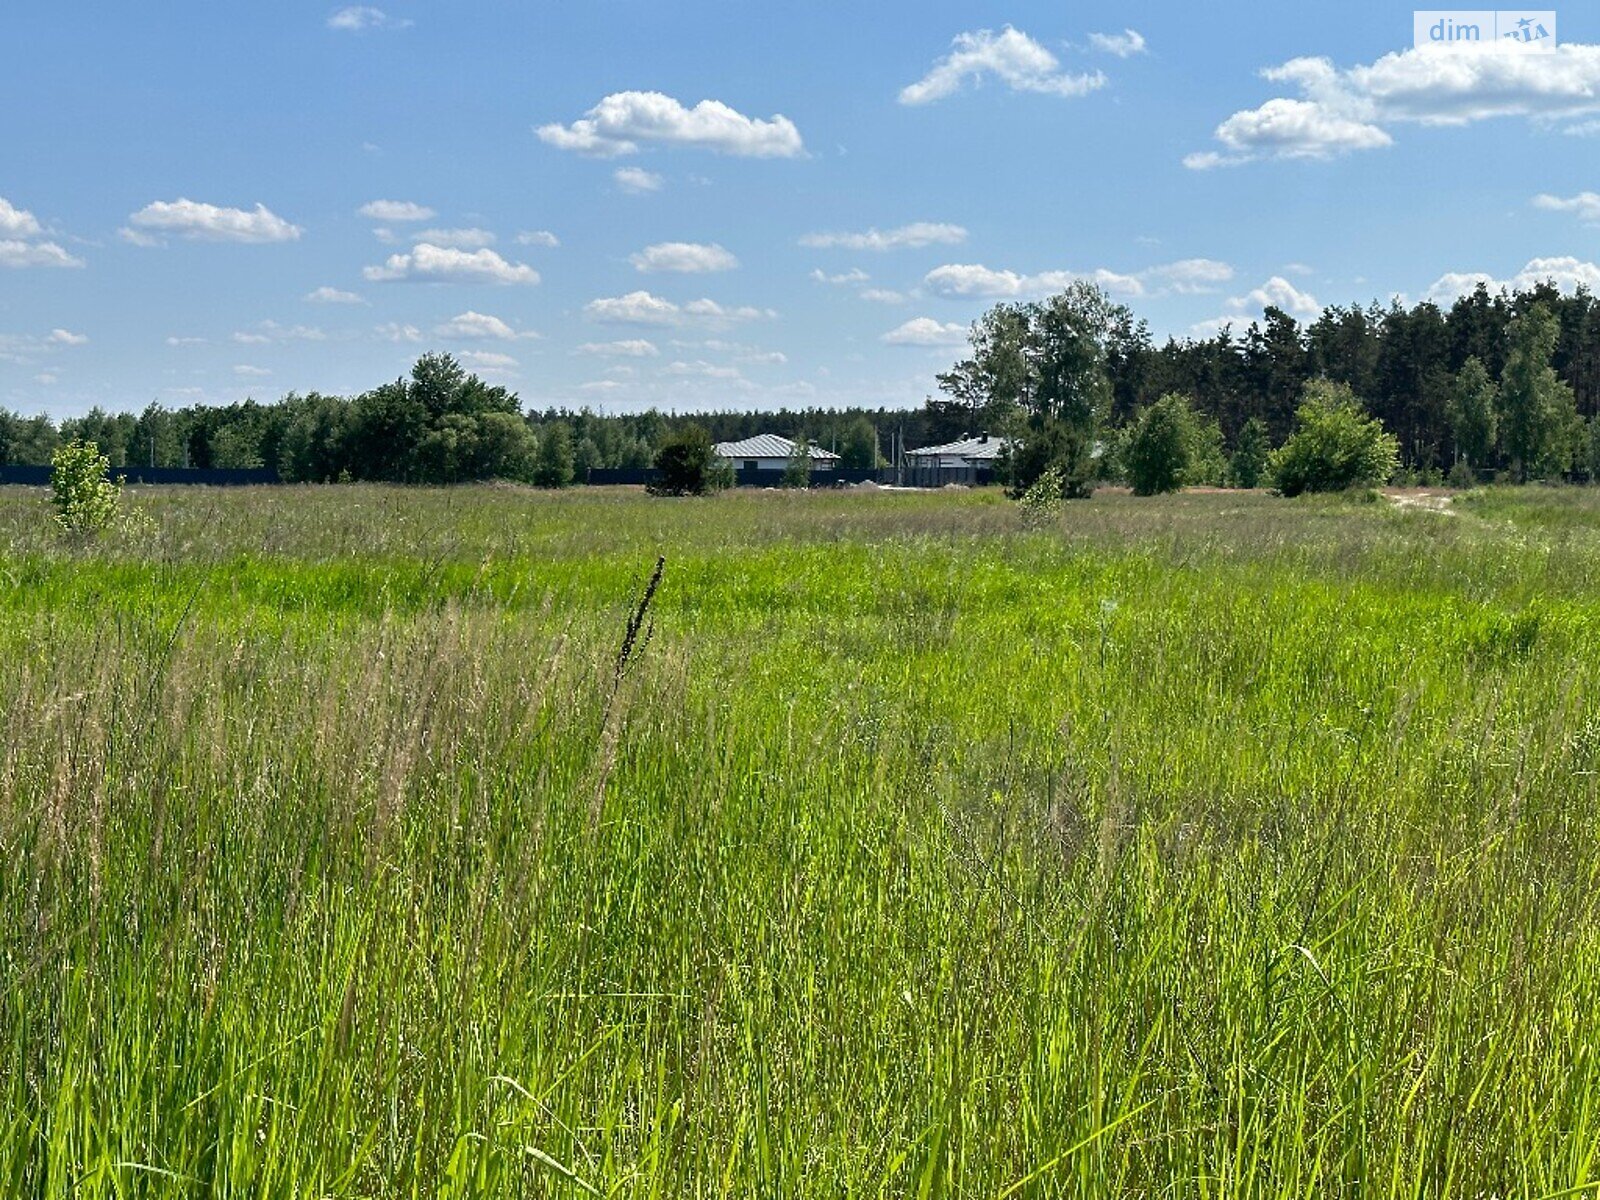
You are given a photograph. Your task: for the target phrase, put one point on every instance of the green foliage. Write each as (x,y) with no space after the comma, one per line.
(86,500)
(797,471)
(1335,445)
(1251,451)
(1473,415)
(1041,503)
(1538,417)
(1170,446)
(858,447)
(554,465)
(1054,450)
(687,465)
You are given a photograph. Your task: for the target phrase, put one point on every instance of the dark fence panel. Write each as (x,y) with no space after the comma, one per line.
(217,477)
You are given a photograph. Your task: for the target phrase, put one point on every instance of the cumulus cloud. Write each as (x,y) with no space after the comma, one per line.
(488,361)
(270,331)
(427,263)
(396,211)
(538,237)
(395,332)
(907,237)
(210,223)
(1342,110)
(883,296)
(332,295)
(63,337)
(643,308)
(17,222)
(1279,293)
(684,258)
(358,18)
(637,180)
(1585,205)
(1010,56)
(1190,275)
(925,331)
(19,254)
(1124,45)
(623,121)
(628,348)
(844,279)
(246,371)
(479,326)
(460,239)
(1565,272)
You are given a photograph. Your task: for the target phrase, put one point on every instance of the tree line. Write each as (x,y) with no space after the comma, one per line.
(1496,383)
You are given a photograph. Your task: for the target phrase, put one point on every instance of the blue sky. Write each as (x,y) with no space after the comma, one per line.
(621,205)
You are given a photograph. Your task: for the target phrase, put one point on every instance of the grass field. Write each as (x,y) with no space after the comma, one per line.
(1203,846)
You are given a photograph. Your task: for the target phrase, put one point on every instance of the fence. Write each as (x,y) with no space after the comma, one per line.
(211,477)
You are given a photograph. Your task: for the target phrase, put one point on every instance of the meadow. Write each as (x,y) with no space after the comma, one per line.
(1199,846)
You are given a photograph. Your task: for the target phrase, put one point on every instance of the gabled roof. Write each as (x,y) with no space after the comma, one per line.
(769,445)
(979,449)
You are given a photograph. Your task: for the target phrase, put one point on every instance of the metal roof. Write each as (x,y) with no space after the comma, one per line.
(768,445)
(980,449)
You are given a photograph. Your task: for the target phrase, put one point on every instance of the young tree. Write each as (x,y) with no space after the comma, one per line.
(1335,444)
(1472,414)
(552,467)
(85,498)
(858,448)
(797,471)
(1250,452)
(1538,419)
(1157,453)
(687,464)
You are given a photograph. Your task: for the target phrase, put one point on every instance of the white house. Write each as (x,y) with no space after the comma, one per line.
(769,452)
(971,453)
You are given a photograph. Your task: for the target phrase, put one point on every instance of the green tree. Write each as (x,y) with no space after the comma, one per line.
(1157,453)
(553,466)
(86,499)
(687,464)
(1250,453)
(1335,444)
(858,448)
(1538,418)
(1474,421)
(797,471)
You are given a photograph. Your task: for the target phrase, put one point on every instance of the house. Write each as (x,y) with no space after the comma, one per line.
(769,452)
(971,454)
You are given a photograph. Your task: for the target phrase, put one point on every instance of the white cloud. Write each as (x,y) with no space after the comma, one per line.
(1279,293)
(847,278)
(478,326)
(209,223)
(538,237)
(1010,56)
(1340,110)
(1566,272)
(700,370)
(765,358)
(906,237)
(485,360)
(186,341)
(16,222)
(624,120)
(883,296)
(46,378)
(460,239)
(35,254)
(357,18)
(1586,205)
(637,180)
(63,337)
(684,258)
(394,332)
(1188,276)
(396,210)
(642,308)
(925,331)
(629,348)
(332,295)
(270,331)
(245,371)
(1124,45)
(427,263)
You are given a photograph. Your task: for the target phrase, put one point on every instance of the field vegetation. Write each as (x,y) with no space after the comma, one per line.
(1193,846)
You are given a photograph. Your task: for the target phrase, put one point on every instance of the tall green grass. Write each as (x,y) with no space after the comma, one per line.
(1197,847)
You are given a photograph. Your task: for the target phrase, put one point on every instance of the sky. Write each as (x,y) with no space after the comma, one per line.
(620,205)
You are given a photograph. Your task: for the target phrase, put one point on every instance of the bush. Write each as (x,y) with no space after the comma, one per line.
(85,498)
(1058,450)
(687,465)
(797,471)
(1250,454)
(1335,445)
(553,464)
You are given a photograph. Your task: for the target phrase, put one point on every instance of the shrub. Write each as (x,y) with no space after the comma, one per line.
(553,464)
(85,498)
(797,471)
(1335,445)
(1041,503)
(1058,450)
(1250,453)
(687,465)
